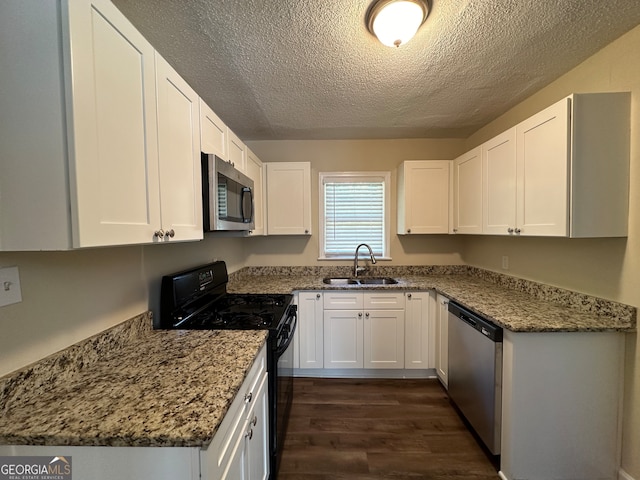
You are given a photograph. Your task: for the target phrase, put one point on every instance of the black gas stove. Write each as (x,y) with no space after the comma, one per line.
(197,299)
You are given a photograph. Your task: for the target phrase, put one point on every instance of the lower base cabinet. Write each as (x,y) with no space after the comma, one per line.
(364,330)
(442,338)
(240,448)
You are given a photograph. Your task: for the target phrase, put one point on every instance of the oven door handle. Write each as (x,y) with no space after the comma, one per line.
(281,349)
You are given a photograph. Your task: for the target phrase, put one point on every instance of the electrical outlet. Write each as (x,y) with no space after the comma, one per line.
(505,262)
(9,286)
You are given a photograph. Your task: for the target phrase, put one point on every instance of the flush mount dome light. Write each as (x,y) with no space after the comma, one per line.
(395,22)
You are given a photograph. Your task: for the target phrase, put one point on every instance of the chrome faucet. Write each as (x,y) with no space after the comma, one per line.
(357,269)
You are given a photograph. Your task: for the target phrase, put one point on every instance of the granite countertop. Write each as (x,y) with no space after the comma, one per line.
(147,388)
(515,304)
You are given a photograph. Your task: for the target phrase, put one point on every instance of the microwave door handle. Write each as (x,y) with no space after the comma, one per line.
(246,190)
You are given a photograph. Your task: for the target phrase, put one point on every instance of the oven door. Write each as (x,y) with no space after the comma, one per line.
(281,396)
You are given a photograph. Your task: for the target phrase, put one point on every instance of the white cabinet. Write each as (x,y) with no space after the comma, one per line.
(88,95)
(240,448)
(419,331)
(423,196)
(467,192)
(213,132)
(442,338)
(288,198)
(255,171)
(237,151)
(499,184)
(363,330)
(561,400)
(310,330)
(573,168)
(179,155)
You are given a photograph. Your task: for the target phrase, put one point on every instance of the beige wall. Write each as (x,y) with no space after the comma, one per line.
(69,296)
(355,155)
(604,267)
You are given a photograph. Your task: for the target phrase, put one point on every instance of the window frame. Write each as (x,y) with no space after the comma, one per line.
(356,177)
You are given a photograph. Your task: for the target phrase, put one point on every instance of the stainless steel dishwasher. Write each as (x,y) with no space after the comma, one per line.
(475,372)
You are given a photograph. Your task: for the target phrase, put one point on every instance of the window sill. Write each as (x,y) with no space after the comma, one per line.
(363,259)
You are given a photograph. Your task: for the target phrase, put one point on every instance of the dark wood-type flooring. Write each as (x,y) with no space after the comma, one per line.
(364,429)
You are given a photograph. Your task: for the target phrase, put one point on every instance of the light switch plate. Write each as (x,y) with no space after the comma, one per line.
(9,286)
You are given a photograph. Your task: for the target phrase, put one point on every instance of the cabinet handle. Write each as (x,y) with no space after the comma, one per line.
(408,230)
(248,397)
(249,434)
(254,420)
(170,233)
(306,232)
(455,230)
(408,295)
(509,230)
(366,314)
(445,302)
(158,233)
(318,296)
(517,230)
(360,314)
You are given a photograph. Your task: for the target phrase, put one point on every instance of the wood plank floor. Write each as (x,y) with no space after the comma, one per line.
(365,429)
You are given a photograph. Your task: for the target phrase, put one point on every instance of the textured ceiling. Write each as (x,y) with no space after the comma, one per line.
(309,69)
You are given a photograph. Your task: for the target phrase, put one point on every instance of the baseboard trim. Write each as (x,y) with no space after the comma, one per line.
(622,475)
(363,373)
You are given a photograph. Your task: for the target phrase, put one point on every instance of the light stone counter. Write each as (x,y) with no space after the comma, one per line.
(129,386)
(515,304)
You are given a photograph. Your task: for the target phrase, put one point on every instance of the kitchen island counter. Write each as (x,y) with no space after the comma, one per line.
(515,304)
(129,386)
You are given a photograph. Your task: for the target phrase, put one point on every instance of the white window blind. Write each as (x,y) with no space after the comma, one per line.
(354,213)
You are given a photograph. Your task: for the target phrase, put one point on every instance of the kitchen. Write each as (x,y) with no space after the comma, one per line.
(68,296)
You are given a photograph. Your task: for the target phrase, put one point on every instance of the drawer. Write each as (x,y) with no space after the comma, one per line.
(343,300)
(384,300)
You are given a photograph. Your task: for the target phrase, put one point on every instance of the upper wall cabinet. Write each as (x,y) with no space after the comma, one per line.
(573,168)
(288,198)
(213,133)
(237,151)
(499,184)
(80,155)
(179,155)
(255,171)
(423,196)
(467,192)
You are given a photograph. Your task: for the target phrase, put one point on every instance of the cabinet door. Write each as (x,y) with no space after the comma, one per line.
(179,154)
(113,144)
(257,436)
(418,331)
(213,132)
(442,338)
(467,199)
(237,151)
(343,338)
(310,330)
(542,143)
(255,171)
(384,339)
(423,197)
(288,198)
(499,184)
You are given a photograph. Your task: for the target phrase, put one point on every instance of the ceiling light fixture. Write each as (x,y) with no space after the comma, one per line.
(395,22)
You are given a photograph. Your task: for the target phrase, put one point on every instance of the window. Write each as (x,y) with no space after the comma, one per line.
(354,209)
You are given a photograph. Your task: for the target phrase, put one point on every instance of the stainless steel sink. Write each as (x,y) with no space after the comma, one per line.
(360,281)
(340,281)
(377,281)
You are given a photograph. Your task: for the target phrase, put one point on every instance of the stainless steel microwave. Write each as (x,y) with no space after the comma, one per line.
(227,196)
